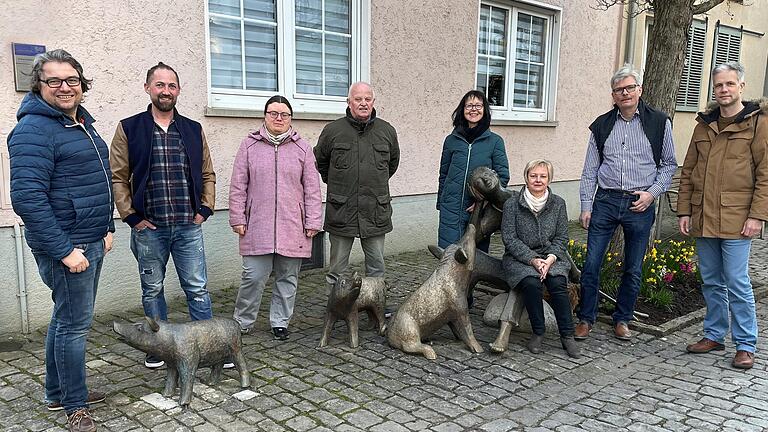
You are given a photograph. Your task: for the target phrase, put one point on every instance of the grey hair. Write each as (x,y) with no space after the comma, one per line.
(58,56)
(626,71)
(730,66)
(357,84)
(538,162)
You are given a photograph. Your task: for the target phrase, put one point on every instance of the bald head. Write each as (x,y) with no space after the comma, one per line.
(360,100)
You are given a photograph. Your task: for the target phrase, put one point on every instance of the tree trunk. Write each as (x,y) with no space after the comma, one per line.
(666,53)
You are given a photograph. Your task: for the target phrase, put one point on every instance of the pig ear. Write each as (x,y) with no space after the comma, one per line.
(152,323)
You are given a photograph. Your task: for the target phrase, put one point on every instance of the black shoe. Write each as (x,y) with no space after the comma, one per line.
(534,343)
(229,363)
(570,346)
(153,362)
(389,311)
(280,333)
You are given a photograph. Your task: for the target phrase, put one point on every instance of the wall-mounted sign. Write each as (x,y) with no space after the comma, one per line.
(23,57)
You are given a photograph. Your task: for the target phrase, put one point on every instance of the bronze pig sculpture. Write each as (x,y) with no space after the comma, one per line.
(348,297)
(185,347)
(440,300)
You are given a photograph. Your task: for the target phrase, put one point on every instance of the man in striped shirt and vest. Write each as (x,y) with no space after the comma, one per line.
(630,161)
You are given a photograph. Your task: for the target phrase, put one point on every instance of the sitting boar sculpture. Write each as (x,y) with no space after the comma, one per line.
(349,297)
(440,300)
(185,347)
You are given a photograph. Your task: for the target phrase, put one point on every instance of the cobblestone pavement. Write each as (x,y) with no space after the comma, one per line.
(648,384)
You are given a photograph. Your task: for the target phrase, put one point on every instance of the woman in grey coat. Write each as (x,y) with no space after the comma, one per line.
(534,228)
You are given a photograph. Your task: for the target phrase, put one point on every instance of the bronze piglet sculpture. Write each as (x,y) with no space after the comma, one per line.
(185,347)
(348,297)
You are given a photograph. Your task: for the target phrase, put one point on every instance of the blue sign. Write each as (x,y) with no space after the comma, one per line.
(28,49)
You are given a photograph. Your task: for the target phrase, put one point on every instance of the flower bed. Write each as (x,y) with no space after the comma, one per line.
(670,283)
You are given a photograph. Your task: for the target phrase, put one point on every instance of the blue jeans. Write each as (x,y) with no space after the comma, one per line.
(724,266)
(152,249)
(610,209)
(73,297)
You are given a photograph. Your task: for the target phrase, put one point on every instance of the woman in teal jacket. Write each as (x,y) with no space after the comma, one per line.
(470,145)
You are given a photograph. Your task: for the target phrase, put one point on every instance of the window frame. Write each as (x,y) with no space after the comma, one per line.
(552,14)
(224,101)
(731,32)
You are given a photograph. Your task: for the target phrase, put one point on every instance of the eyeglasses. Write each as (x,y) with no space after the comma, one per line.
(473,107)
(56,82)
(275,114)
(630,89)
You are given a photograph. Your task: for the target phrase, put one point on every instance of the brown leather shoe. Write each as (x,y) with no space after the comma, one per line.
(81,421)
(621,331)
(704,346)
(582,330)
(743,360)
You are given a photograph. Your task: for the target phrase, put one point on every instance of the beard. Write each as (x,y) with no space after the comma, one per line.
(164,105)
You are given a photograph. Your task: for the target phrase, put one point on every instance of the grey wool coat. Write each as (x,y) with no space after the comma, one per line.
(527,236)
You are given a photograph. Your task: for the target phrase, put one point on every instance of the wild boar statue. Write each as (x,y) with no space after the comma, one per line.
(185,347)
(349,297)
(440,300)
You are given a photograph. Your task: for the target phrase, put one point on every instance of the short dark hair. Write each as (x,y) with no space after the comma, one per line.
(161,65)
(458,113)
(278,99)
(58,56)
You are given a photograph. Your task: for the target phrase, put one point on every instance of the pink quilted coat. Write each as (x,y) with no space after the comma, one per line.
(275,192)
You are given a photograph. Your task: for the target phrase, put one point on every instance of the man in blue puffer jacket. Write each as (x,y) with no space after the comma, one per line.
(61,188)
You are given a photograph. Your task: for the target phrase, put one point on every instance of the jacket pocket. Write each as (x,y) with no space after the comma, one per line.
(340,155)
(734,211)
(301,214)
(697,211)
(381,155)
(383,214)
(335,214)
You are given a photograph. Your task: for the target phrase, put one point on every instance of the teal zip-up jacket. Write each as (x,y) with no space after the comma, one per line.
(458,160)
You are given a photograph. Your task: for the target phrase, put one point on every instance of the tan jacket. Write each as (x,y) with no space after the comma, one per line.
(724,178)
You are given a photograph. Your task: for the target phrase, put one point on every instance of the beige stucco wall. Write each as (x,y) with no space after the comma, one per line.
(422,61)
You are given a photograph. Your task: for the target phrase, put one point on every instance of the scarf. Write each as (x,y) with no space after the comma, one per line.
(535,204)
(277,139)
(472,133)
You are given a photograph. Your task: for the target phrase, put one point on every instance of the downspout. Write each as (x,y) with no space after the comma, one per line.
(629,41)
(22,282)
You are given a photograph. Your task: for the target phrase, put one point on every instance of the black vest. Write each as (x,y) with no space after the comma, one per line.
(653,121)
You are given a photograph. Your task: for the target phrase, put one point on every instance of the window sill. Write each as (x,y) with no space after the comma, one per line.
(524,123)
(247,113)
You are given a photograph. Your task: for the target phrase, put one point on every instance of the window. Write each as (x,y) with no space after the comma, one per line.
(727,48)
(307,50)
(689,90)
(517,52)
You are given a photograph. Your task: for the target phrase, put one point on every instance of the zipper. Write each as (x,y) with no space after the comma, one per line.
(101,161)
(464,183)
(275,219)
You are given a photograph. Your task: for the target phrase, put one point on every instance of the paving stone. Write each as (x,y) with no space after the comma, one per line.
(647,385)
(362,418)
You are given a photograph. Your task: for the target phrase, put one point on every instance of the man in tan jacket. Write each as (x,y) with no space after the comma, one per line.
(723,202)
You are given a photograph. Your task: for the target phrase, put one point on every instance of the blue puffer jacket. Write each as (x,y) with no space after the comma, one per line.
(60,179)
(457,162)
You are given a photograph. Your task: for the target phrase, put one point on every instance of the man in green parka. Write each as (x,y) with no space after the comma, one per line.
(356,155)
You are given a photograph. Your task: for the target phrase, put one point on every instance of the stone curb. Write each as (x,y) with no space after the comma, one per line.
(760,289)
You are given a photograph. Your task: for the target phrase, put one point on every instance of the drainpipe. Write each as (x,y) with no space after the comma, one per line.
(17,233)
(629,42)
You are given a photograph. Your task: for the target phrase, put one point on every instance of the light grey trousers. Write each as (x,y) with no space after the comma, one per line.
(373,248)
(256,271)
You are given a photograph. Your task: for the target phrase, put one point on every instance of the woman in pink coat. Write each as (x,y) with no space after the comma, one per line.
(275,208)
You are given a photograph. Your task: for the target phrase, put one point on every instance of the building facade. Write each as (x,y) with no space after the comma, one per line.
(540,62)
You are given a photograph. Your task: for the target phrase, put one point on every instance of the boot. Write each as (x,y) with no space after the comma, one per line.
(502,341)
(570,346)
(534,343)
